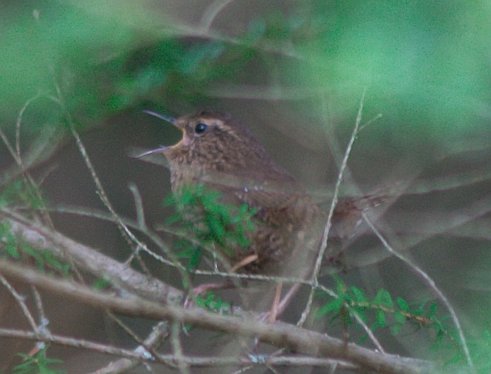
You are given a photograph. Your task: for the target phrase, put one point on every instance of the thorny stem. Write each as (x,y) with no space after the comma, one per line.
(327,229)
(432,285)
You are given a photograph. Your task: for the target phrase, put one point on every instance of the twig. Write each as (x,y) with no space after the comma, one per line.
(71,342)
(159,332)
(327,229)
(177,348)
(125,231)
(94,213)
(18,124)
(43,319)
(211,13)
(20,301)
(358,319)
(430,283)
(90,259)
(198,362)
(288,336)
(140,215)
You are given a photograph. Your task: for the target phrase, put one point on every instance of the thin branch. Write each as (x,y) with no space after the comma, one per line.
(279,334)
(212,12)
(430,283)
(177,348)
(90,259)
(94,213)
(20,301)
(100,264)
(71,342)
(198,362)
(327,229)
(7,144)
(125,231)
(39,152)
(43,320)
(159,332)
(140,215)
(358,319)
(18,123)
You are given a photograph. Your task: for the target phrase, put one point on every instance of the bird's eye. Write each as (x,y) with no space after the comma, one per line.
(200,128)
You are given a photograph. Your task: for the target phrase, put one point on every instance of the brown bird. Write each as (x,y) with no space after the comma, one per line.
(220,153)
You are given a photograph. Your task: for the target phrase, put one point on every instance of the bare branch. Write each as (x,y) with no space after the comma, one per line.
(327,229)
(159,332)
(21,302)
(135,357)
(91,260)
(279,334)
(430,283)
(212,12)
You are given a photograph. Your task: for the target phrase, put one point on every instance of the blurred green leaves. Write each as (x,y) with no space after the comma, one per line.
(38,363)
(380,312)
(425,64)
(105,57)
(52,40)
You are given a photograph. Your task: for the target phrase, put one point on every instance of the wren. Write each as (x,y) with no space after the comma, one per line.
(219,152)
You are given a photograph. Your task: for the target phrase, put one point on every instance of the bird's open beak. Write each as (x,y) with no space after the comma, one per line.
(162,148)
(162,116)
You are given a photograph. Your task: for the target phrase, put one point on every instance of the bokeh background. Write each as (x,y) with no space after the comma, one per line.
(295,72)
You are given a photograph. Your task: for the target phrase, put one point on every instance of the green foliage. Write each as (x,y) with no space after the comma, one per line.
(189,251)
(209,223)
(455,360)
(421,61)
(101,284)
(14,249)
(38,364)
(21,192)
(107,60)
(8,241)
(214,303)
(386,312)
(381,311)
(481,352)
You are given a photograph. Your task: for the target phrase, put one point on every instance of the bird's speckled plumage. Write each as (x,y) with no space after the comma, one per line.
(221,153)
(228,158)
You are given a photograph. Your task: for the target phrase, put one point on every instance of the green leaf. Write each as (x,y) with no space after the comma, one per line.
(383,298)
(340,287)
(333,306)
(101,283)
(380,318)
(34,254)
(55,263)
(37,364)
(432,310)
(395,329)
(12,251)
(402,304)
(358,294)
(362,314)
(399,318)
(195,259)
(201,214)
(213,302)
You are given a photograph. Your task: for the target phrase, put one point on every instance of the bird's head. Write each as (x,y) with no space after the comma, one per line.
(211,140)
